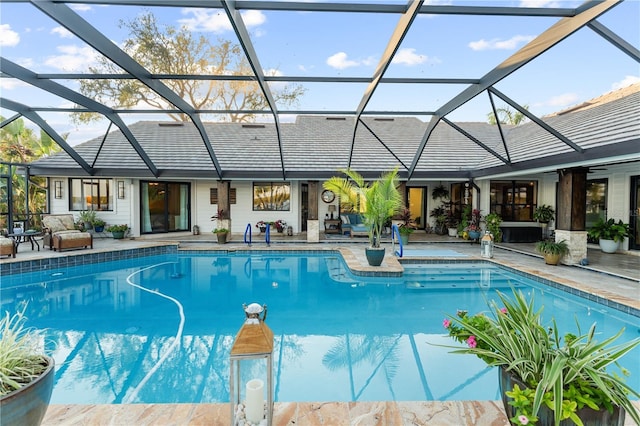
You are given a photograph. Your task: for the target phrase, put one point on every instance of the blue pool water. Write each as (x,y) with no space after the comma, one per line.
(159,329)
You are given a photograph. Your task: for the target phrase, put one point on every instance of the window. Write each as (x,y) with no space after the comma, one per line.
(271,196)
(91,194)
(514,201)
(596,201)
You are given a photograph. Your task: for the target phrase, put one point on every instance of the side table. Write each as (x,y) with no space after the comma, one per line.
(332,226)
(27,236)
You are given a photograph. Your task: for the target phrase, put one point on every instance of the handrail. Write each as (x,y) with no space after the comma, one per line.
(247,231)
(395,231)
(267,234)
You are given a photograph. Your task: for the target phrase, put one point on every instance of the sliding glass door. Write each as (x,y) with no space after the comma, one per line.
(164,207)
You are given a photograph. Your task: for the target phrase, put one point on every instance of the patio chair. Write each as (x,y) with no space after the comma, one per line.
(7,247)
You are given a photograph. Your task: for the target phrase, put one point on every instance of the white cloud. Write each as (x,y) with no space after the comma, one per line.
(497,44)
(80,7)
(340,61)
(8,37)
(408,57)
(216,21)
(12,83)
(626,81)
(563,100)
(62,32)
(73,58)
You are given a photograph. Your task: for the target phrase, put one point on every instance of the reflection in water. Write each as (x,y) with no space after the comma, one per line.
(165,336)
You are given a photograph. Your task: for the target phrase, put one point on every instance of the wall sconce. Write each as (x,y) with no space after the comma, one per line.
(121,189)
(253,343)
(57,189)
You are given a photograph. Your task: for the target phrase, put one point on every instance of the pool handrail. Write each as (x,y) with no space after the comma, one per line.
(395,231)
(267,234)
(247,231)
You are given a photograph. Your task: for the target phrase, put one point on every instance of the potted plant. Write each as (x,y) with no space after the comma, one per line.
(98,225)
(439,192)
(609,234)
(407,225)
(440,216)
(545,378)
(262,226)
(552,250)
(376,201)
(473,229)
(280,225)
(224,221)
(118,231)
(544,213)
(86,218)
(493,221)
(222,234)
(451,222)
(26,374)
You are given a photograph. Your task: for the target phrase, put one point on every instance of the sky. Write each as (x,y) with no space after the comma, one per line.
(582,67)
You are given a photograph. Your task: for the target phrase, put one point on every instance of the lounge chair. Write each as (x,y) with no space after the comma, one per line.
(7,247)
(61,233)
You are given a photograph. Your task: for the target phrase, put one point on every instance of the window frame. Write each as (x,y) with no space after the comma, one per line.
(285,208)
(510,204)
(83,196)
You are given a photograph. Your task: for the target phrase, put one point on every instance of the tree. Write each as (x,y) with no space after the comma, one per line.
(176,51)
(20,145)
(508,116)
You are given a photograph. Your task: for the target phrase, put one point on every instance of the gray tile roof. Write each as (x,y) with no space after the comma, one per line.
(314,147)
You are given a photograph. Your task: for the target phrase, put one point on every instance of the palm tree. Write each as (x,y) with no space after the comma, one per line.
(508,116)
(375,201)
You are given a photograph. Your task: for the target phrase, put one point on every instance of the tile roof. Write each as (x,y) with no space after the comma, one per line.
(314,147)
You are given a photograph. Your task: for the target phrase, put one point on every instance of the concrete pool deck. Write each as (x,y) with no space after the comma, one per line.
(614,277)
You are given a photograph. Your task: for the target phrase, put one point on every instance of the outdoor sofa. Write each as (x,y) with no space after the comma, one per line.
(352,224)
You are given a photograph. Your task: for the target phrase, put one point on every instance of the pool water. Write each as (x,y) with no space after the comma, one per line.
(159,329)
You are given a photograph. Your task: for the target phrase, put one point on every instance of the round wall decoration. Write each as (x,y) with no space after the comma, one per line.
(328,196)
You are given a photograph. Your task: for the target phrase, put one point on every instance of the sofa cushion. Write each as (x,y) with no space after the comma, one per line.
(345,219)
(67,222)
(6,241)
(77,235)
(354,218)
(53,223)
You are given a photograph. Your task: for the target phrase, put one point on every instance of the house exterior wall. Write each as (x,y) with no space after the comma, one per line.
(127,210)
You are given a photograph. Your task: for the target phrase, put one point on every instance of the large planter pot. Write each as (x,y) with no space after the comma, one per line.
(118,235)
(588,416)
(405,239)
(608,246)
(453,232)
(375,255)
(222,237)
(474,235)
(551,259)
(28,405)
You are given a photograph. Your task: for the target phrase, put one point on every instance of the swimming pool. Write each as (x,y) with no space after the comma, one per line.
(338,337)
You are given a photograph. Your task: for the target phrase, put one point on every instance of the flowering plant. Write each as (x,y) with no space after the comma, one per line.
(280,224)
(262,224)
(562,375)
(474,222)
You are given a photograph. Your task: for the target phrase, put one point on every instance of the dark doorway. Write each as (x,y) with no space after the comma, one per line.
(304,206)
(634,214)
